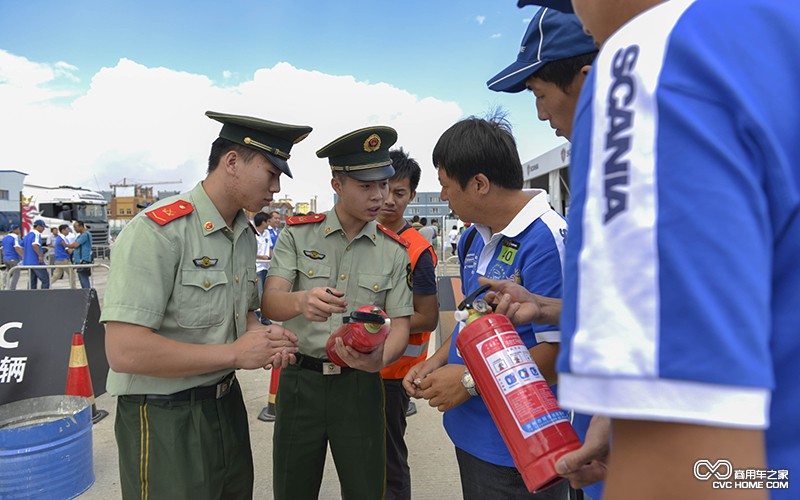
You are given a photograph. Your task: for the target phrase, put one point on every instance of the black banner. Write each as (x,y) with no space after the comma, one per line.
(36,328)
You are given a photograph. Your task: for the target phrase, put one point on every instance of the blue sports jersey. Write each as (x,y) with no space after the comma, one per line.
(30,257)
(10,241)
(60,250)
(681,294)
(530,252)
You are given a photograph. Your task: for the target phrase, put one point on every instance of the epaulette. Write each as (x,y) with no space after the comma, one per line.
(396,237)
(304,219)
(168,213)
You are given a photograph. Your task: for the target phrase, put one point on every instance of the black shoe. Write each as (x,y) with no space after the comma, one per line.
(412,409)
(267,414)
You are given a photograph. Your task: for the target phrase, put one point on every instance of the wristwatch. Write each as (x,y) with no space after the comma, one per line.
(469,383)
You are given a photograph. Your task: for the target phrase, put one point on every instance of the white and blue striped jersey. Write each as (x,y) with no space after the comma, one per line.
(681,291)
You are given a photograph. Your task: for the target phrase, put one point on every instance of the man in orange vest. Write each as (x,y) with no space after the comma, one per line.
(402,189)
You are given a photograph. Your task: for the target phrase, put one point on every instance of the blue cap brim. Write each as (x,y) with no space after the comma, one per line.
(513,78)
(562,5)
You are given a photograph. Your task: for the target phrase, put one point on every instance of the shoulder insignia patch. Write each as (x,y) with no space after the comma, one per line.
(391,234)
(304,219)
(168,213)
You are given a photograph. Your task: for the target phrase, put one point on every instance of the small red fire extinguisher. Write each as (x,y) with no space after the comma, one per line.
(364,330)
(535,429)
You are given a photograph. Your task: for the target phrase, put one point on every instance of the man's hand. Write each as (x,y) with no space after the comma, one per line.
(443,389)
(370,362)
(587,464)
(412,382)
(520,305)
(271,345)
(319,303)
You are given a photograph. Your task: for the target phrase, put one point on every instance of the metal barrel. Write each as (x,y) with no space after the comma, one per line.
(46,447)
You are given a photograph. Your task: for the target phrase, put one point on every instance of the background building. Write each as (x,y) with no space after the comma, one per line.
(550,172)
(10,190)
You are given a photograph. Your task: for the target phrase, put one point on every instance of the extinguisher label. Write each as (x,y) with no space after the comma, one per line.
(523,387)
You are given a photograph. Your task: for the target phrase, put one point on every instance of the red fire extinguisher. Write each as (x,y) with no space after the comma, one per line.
(364,330)
(535,429)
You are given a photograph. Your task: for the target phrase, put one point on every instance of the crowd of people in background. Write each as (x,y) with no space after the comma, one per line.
(61,247)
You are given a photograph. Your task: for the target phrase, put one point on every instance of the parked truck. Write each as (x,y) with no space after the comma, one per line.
(64,205)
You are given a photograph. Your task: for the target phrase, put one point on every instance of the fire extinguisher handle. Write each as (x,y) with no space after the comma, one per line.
(469,299)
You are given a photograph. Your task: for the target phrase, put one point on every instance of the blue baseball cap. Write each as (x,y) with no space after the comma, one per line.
(12,227)
(552,35)
(39,222)
(562,5)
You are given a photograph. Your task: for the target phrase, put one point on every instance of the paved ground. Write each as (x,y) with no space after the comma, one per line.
(434,472)
(433,465)
(431,455)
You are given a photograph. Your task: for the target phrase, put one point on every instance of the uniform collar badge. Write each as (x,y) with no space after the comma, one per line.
(209,226)
(313,254)
(205,262)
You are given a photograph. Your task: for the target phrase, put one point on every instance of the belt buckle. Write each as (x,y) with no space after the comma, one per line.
(224,387)
(331,369)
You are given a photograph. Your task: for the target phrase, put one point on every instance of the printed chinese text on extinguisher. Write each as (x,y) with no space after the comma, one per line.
(535,429)
(364,330)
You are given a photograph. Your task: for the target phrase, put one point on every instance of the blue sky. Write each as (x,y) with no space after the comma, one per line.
(107,81)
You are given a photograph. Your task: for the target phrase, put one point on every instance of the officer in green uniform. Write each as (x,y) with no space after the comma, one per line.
(179,315)
(323,266)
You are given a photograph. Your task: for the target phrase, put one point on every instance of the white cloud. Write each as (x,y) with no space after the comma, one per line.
(496,35)
(147,123)
(23,82)
(480,19)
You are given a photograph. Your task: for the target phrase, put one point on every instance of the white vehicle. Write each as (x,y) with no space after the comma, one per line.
(64,205)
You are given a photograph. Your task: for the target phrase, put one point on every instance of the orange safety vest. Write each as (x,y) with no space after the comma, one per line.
(417,350)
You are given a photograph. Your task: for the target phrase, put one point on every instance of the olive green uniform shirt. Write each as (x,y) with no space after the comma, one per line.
(373,269)
(192,280)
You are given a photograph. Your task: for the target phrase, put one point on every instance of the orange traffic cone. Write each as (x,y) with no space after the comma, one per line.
(268,413)
(79,382)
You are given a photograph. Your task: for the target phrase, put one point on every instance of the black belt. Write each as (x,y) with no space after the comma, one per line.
(220,390)
(323,366)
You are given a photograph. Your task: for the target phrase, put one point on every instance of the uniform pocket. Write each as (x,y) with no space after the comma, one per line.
(202,298)
(312,275)
(372,290)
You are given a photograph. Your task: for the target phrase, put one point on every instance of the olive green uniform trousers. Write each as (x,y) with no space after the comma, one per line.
(344,411)
(190,450)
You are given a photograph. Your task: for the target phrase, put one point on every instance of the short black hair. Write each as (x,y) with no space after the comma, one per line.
(274,213)
(562,72)
(80,223)
(405,167)
(260,218)
(480,146)
(424,221)
(221,146)
(62,227)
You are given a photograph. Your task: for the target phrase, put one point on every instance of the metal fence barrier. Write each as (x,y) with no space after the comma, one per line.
(67,269)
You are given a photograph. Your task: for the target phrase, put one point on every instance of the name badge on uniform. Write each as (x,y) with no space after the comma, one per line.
(205,262)
(508,251)
(313,254)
